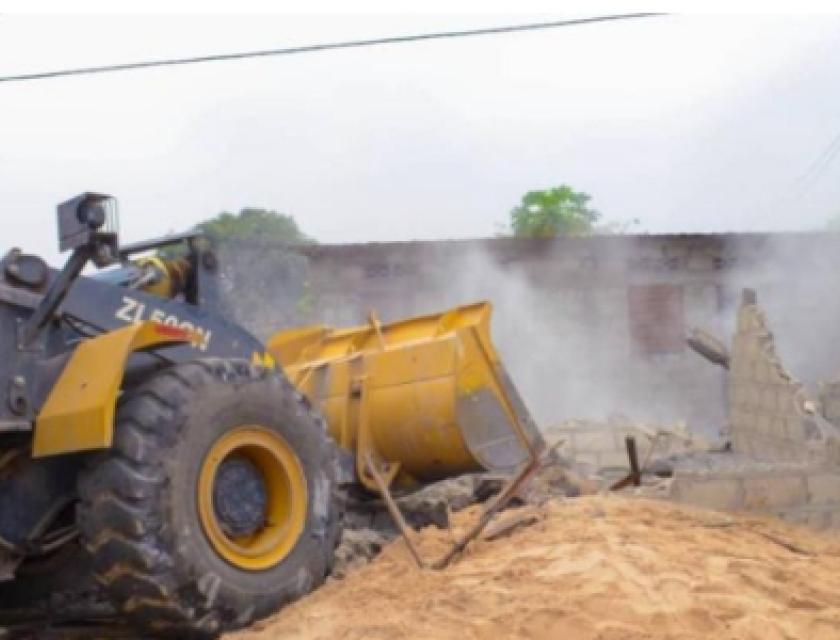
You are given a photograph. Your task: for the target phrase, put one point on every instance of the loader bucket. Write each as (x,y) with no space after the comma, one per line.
(427,396)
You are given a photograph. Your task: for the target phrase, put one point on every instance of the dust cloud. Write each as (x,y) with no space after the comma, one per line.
(568,347)
(797,279)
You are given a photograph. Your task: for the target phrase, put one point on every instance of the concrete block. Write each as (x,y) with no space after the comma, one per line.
(765,493)
(784,399)
(793,450)
(712,493)
(824,488)
(737,367)
(795,430)
(762,448)
(594,441)
(764,424)
(752,349)
(752,396)
(794,516)
(777,428)
(744,317)
(615,459)
(589,458)
(750,420)
(786,449)
(760,424)
(781,448)
(749,423)
(768,399)
(741,441)
(819,520)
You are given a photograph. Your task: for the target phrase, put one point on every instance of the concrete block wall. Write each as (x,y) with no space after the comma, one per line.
(785,457)
(601,445)
(770,415)
(795,492)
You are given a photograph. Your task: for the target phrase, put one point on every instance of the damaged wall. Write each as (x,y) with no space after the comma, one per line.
(770,415)
(589,327)
(602,447)
(785,454)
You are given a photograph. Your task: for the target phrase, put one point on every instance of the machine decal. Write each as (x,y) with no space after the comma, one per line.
(133,311)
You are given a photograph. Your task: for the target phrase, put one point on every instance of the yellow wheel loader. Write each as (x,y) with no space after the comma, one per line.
(160,465)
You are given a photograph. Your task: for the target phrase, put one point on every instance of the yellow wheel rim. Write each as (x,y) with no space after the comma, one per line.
(285,487)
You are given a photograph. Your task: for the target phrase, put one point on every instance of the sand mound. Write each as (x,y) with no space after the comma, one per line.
(606,568)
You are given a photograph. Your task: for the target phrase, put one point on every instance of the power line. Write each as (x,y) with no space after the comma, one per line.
(820,165)
(349,44)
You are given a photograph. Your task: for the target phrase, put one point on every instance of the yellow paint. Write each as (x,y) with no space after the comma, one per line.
(395,389)
(286,488)
(263,360)
(172,274)
(79,412)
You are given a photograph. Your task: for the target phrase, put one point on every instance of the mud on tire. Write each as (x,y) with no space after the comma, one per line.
(139,515)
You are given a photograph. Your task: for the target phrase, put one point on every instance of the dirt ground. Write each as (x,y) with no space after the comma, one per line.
(607,568)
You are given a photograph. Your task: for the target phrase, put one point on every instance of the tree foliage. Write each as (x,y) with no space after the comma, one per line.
(254,224)
(560,211)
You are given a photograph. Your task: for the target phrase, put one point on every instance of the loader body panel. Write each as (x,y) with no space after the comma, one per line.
(78,414)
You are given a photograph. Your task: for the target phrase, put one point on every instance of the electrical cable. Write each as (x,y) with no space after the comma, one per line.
(820,165)
(348,44)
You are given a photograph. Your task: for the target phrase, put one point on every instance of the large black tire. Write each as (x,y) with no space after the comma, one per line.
(139,515)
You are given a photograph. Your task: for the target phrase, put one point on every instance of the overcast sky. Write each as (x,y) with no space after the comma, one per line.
(694,123)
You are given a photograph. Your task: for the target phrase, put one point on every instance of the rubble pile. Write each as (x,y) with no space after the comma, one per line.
(368,526)
(599,567)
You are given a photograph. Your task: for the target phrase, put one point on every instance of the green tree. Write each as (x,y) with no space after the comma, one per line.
(254,224)
(560,211)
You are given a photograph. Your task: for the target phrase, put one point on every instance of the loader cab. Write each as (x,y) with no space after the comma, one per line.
(181,267)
